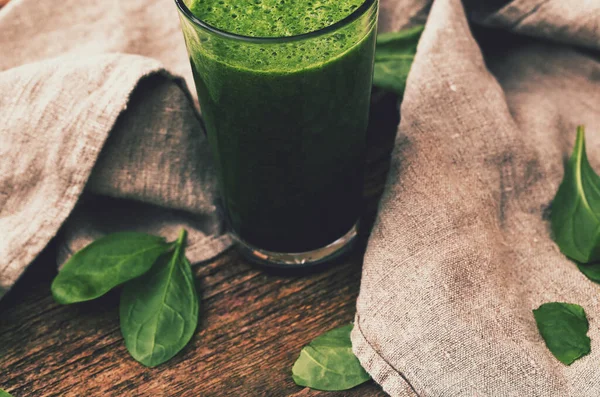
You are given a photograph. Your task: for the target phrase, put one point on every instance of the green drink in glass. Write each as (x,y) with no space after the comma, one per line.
(284,89)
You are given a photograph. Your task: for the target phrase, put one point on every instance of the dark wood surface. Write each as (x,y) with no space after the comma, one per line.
(253,321)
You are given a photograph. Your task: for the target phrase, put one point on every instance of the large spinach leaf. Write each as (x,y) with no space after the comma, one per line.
(159,311)
(576,208)
(105,264)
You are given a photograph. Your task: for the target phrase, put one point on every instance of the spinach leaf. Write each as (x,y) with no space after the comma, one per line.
(591,271)
(4,394)
(564,327)
(327,363)
(394,55)
(575,213)
(105,264)
(159,311)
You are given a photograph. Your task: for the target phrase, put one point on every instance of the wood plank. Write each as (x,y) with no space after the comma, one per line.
(253,325)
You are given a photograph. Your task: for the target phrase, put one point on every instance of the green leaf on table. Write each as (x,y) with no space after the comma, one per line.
(4,394)
(106,263)
(327,363)
(394,55)
(575,213)
(564,328)
(159,311)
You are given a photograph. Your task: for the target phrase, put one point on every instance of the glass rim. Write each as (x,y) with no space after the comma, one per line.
(357,13)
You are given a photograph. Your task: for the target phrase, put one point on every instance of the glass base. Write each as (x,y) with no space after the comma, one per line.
(299,259)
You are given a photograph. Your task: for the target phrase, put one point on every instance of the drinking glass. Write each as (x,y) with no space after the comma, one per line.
(286,119)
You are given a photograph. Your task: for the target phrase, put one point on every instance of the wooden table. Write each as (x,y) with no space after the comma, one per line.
(253,321)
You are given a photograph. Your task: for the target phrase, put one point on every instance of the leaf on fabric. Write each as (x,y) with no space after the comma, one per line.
(575,213)
(564,327)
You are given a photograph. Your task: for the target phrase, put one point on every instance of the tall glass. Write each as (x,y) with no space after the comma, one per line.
(286,119)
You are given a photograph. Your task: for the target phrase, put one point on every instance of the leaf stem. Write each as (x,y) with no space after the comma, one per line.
(181,238)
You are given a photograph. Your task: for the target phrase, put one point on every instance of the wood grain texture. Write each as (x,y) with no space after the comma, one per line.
(253,324)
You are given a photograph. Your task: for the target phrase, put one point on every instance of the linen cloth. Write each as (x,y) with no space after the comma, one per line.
(71,74)
(462,252)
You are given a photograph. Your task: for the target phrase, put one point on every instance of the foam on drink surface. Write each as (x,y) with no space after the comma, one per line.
(272,18)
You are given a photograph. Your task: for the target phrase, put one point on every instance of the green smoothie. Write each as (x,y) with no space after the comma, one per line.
(286,119)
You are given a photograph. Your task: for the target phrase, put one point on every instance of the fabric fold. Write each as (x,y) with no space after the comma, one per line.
(85,95)
(572,22)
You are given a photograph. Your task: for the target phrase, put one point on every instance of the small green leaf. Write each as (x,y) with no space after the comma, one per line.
(394,55)
(327,363)
(159,311)
(105,264)
(575,213)
(4,394)
(564,328)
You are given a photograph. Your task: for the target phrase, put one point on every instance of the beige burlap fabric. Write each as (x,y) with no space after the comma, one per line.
(461,252)
(70,75)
